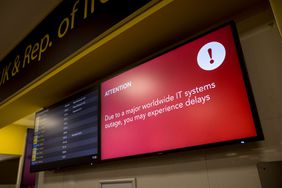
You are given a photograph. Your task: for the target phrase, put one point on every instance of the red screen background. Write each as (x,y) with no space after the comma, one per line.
(226,116)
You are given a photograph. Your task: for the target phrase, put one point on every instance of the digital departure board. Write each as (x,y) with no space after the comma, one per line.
(66,133)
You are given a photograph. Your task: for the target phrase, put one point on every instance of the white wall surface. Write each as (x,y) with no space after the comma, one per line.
(222,167)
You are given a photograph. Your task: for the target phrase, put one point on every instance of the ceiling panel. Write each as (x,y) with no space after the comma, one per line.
(18,18)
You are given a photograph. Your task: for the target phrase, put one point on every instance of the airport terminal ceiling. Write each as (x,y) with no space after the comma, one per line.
(165,23)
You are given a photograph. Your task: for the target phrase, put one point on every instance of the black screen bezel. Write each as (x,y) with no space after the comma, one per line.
(247,84)
(85,160)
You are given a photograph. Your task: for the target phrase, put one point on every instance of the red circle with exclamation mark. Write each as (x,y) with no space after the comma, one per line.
(211,56)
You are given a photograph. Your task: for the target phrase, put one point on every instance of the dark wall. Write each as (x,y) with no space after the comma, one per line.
(9,171)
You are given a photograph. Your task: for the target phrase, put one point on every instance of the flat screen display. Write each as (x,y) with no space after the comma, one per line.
(66,133)
(197,93)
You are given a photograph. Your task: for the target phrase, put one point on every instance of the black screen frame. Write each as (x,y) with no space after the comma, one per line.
(85,160)
(247,83)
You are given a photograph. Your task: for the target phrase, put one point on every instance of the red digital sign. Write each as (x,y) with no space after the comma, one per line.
(193,95)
